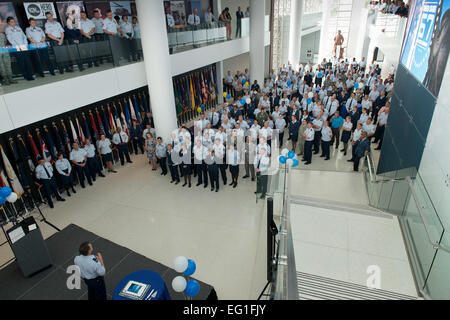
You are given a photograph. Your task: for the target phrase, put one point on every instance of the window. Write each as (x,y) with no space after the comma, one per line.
(312,6)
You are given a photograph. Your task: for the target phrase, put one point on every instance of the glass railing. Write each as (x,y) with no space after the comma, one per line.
(182,38)
(404,194)
(53,62)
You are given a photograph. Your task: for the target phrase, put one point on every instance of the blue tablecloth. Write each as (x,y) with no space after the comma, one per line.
(144,276)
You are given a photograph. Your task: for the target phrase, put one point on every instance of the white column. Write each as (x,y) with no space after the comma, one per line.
(295,31)
(324,46)
(356,28)
(219,76)
(157,65)
(217,8)
(257,52)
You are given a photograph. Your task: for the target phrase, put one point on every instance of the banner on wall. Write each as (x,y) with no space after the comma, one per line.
(178,11)
(37,10)
(6,10)
(102,7)
(426,47)
(69,12)
(121,8)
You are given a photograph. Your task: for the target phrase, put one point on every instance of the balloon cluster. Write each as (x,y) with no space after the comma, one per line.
(6,194)
(179,284)
(201,108)
(227,95)
(288,157)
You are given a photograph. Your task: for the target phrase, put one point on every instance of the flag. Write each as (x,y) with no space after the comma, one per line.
(74,133)
(59,143)
(24,152)
(138,111)
(51,145)
(34,149)
(105,123)
(12,178)
(117,118)
(112,125)
(94,126)
(66,138)
(132,111)
(81,137)
(19,164)
(144,103)
(127,116)
(86,127)
(177,99)
(44,150)
(191,90)
(3,178)
(124,119)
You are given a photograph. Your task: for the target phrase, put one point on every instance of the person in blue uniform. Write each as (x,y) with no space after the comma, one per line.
(79,159)
(173,165)
(294,126)
(92,270)
(326,135)
(186,165)
(233,162)
(64,169)
(92,161)
(161,158)
(36,37)
(44,175)
(309,140)
(120,139)
(213,170)
(346,133)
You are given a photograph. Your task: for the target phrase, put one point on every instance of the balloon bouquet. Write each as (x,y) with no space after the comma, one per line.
(288,158)
(6,195)
(179,284)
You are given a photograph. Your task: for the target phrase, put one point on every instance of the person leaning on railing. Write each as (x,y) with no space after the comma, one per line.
(37,39)
(55,33)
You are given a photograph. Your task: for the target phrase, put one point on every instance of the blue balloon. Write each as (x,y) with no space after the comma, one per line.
(243,101)
(282,160)
(289,83)
(291,154)
(294,163)
(228,96)
(308,101)
(356,85)
(2,200)
(5,192)
(190,270)
(319,75)
(192,288)
(243,81)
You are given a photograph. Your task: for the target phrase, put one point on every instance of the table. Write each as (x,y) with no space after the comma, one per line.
(144,276)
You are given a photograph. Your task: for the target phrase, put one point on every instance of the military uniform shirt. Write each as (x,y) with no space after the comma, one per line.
(119,138)
(35,33)
(170,20)
(369,128)
(137,31)
(90,150)
(383,118)
(127,27)
(363,118)
(86,26)
(200,153)
(90,267)
(193,19)
(357,134)
(110,25)
(98,24)
(326,134)
(15,36)
(262,163)
(42,174)
(366,104)
(77,155)
(309,132)
(104,146)
(63,166)
(55,29)
(319,123)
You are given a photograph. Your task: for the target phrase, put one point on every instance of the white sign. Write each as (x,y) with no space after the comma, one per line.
(37,10)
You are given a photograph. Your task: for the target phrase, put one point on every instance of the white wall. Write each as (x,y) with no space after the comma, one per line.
(310,42)
(240,62)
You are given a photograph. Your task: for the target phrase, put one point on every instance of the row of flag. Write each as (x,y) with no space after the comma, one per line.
(195,89)
(60,135)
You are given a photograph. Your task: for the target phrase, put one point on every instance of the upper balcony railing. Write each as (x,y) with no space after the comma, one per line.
(49,62)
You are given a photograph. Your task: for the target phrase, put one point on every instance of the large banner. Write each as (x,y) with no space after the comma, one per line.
(178,11)
(69,12)
(121,8)
(6,10)
(102,7)
(426,46)
(37,10)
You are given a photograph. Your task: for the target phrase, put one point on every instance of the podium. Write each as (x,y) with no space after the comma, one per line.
(29,247)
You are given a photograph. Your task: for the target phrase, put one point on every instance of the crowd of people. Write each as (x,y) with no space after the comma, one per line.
(397,7)
(53,36)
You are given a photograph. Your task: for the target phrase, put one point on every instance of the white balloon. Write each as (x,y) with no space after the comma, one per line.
(12,197)
(249,101)
(289,162)
(179,284)
(284,152)
(310,95)
(180,264)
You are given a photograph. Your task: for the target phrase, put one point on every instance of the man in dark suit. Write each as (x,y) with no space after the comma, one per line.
(239,16)
(362,149)
(379,103)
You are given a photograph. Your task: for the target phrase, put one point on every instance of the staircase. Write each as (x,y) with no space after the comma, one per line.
(313,287)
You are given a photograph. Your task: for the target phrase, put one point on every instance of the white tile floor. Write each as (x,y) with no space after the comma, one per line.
(342,245)
(139,209)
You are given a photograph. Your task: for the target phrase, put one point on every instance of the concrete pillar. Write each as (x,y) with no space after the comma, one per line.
(220,76)
(324,48)
(295,31)
(157,65)
(257,52)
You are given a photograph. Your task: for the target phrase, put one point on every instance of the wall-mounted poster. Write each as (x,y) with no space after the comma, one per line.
(426,46)
(69,12)
(178,11)
(6,10)
(121,8)
(102,7)
(37,10)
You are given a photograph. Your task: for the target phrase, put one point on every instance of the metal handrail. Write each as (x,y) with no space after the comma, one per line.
(374,179)
(435,245)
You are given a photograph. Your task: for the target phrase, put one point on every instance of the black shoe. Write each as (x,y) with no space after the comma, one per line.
(235,185)
(327,158)
(345,153)
(245,177)
(212,189)
(231,183)
(73,190)
(206,186)
(303,159)
(262,197)
(90,183)
(190,185)
(342,150)
(51,205)
(316,152)
(351,160)
(68,194)
(306,163)
(102,175)
(130,161)
(177,182)
(224,183)
(322,156)
(253,179)
(217,190)
(172,181)
(198,184)
(93,179)
(83,186)
(184,185)
(61,199)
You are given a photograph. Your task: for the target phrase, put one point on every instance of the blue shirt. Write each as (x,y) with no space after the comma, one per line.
(337,122)
(90,267)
